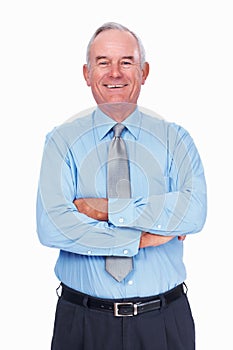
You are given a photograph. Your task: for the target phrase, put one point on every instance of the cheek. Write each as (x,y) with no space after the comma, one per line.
(96,79)
(137,79)
(137,84)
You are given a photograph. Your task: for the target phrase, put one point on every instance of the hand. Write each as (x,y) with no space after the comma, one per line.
(95,208)
(153,240)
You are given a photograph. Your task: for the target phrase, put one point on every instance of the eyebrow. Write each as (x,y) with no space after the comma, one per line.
(100,58)
(128,57)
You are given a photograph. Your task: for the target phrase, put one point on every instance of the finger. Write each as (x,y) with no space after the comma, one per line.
(181,238)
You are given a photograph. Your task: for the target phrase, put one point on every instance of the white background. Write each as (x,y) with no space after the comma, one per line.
(43,46)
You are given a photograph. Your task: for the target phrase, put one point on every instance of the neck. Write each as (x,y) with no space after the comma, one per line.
(118,111)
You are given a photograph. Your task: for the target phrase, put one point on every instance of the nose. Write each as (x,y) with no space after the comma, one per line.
(115,70)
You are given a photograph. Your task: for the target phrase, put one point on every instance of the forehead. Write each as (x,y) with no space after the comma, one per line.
(113,42)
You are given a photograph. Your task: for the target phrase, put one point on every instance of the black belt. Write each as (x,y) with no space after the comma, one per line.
(122,307)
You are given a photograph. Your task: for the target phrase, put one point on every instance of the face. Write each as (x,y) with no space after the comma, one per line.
(115,74)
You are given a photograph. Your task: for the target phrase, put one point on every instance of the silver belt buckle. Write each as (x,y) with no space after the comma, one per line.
(116,309)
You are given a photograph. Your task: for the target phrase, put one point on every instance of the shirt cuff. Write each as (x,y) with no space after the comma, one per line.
(121,211)
(126,244)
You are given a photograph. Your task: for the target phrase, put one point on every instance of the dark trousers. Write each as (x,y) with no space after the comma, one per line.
(81,328)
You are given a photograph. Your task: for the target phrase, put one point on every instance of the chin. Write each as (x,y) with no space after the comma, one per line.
(118,99)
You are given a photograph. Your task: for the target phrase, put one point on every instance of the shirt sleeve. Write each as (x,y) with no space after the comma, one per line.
(59,224)
(179,211)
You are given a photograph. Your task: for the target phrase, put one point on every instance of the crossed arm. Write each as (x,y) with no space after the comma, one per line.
(97,208)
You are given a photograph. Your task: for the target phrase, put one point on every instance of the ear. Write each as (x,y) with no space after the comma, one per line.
(145,72)
(86,74)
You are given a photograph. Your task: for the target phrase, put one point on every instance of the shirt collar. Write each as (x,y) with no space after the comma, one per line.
(103,123)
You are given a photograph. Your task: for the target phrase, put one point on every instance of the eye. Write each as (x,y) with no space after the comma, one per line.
(103,63)
(126,63)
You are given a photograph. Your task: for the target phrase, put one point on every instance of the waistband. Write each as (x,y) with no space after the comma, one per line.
(122,307)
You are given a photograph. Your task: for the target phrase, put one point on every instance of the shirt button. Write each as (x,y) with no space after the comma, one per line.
(125,251)
(159,226)
(130,283)
(121,220)
(89,252)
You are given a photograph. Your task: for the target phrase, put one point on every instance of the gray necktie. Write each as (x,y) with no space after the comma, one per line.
(118,187)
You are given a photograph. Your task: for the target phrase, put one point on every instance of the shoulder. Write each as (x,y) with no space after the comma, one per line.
(157,123)
(71,130)
(169,132)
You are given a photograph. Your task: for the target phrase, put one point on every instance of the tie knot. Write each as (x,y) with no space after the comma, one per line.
(118,128)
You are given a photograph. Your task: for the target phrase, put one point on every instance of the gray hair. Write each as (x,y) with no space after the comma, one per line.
(114,25)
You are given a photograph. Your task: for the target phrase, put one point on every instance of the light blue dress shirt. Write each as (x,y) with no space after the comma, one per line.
(168,198)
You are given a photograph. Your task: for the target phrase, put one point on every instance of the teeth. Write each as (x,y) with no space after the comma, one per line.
(115,86)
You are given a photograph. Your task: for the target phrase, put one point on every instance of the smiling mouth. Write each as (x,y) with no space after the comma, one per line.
(117,86)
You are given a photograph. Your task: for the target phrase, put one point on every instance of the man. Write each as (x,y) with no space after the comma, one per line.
(159,200)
